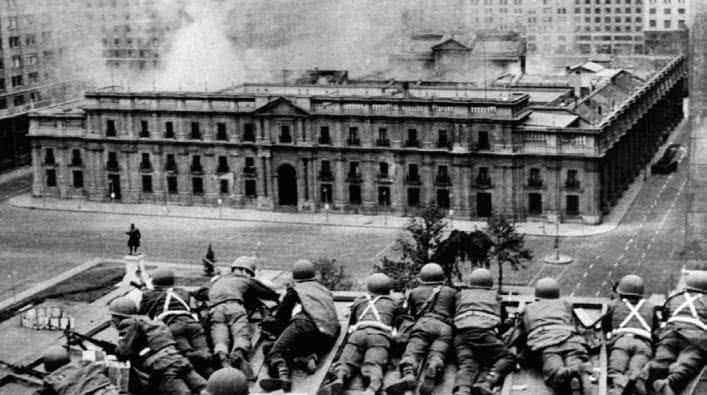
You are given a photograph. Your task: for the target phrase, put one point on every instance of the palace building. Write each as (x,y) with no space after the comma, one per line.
(368,147)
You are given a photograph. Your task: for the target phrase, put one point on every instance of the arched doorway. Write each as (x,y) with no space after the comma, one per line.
(287,185)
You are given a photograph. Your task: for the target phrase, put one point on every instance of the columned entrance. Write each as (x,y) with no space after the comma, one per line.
(287,185)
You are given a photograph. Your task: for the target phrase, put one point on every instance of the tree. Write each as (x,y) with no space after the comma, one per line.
(332,274)
(508,245)
(416,245)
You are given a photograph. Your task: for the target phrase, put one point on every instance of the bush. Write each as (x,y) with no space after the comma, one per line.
(403,273)
(332,275)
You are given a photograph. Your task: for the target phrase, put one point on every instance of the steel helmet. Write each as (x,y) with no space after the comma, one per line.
(696,281)
(481,278)
(379,283)
(547,288)
(431,273)
(630,285)
(163,278)
(123,307)
(55,357)
(246,263)
(227,381)
(303,270)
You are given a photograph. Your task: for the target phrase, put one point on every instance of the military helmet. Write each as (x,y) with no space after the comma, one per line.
(547,288)
(303,270)
(227,381)
(163,278)
(696,281)
(246,263)
(55,357)
(123,307)
(630,285)
(379,283)
(481,278)
(431,273)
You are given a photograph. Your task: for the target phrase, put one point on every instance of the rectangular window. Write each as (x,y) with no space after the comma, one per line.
(112,164)
(197,185)
(285,136)
(250,189)
(443,198)
(110,128)
(324,137)
(443,139)
(413,174)
(144,129)
(172,185)
(535,203)
(382,140)
(355,194)
(412,139)
(534,179)
(16,80)
(78,179)
(572,180)
(222,165)
(221,132)
(195,132)
(413,197)
(51,177)
(169,130)
(249,166)
(354,172)
(196,164)
(223,187)
(383,169)
(572,205)
(484,141)
(49,157)
(248,132)
(147,184)
(145,164)
(482,177)
(325,171)
(325,193)
(171,163)
(353,136)
(76,158)
(384,196)
(14,41)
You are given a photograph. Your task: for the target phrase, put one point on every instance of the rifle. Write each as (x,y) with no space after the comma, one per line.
(75,337)
(25,370)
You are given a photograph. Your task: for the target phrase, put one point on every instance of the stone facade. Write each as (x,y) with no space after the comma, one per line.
(353,149)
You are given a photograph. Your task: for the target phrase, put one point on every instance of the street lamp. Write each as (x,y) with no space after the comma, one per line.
(220,206)
(451,210)
(556,258)
(385,208)
(326,206)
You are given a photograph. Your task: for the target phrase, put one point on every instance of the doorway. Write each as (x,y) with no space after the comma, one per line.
(483,204)
(287,185)
(114,186)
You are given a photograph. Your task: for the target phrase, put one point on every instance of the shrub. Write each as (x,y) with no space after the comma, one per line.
(332,274)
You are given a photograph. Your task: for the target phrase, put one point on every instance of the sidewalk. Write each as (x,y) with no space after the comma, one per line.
(15,173)
(611,221)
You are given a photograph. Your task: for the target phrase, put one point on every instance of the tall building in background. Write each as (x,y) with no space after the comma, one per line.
(609,26)
(666,25)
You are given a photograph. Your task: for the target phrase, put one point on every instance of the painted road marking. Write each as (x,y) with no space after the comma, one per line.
(591,265)
(584,275)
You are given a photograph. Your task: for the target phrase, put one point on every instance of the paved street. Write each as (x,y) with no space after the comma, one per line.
(38,244)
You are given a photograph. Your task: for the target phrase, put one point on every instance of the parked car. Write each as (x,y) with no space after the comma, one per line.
(668,162)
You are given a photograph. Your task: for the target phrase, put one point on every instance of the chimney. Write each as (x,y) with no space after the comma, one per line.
(575,81)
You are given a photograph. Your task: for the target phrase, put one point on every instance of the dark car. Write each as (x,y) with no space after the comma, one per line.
(668,162)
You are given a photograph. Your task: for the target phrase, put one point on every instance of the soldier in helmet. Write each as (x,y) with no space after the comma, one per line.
(629,323)
(231,296)
(432,306)
(171,305)
(150,348)
(306,326)
(73,378)
(369,340)
(682,349)
(549,328)
(227,381)
(477,341)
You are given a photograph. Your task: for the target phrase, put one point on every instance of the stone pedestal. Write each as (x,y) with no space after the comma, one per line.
(135,272)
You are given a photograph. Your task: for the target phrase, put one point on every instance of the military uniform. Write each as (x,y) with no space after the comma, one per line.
(369,339)
(229,298)
(171,306)
(150,348)
(629,324)
(309,327)
(477,341)
(682,349)
(77,379)
(551,335)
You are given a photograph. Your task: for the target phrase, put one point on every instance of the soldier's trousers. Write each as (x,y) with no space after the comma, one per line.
(191,341)
(366,350)
(230,326)
(628,354)
(300,338)
(480,348)
(171,373)
(678,360)
(429,337)
(557,359)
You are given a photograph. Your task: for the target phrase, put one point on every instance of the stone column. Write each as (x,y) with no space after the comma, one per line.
(340,184)
(427,188)
(397,189)
(38,181)
(369,185)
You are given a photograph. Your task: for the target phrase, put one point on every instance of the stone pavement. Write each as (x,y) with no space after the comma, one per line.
(610,221)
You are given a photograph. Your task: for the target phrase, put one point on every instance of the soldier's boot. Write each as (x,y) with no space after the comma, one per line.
(635,383)
(461,390)
(222,359)
(281,382)
(308,363)
(662,387)
(429,377)
(374,387)
(406,383)
(336,387)
(239,360)
(487,385)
